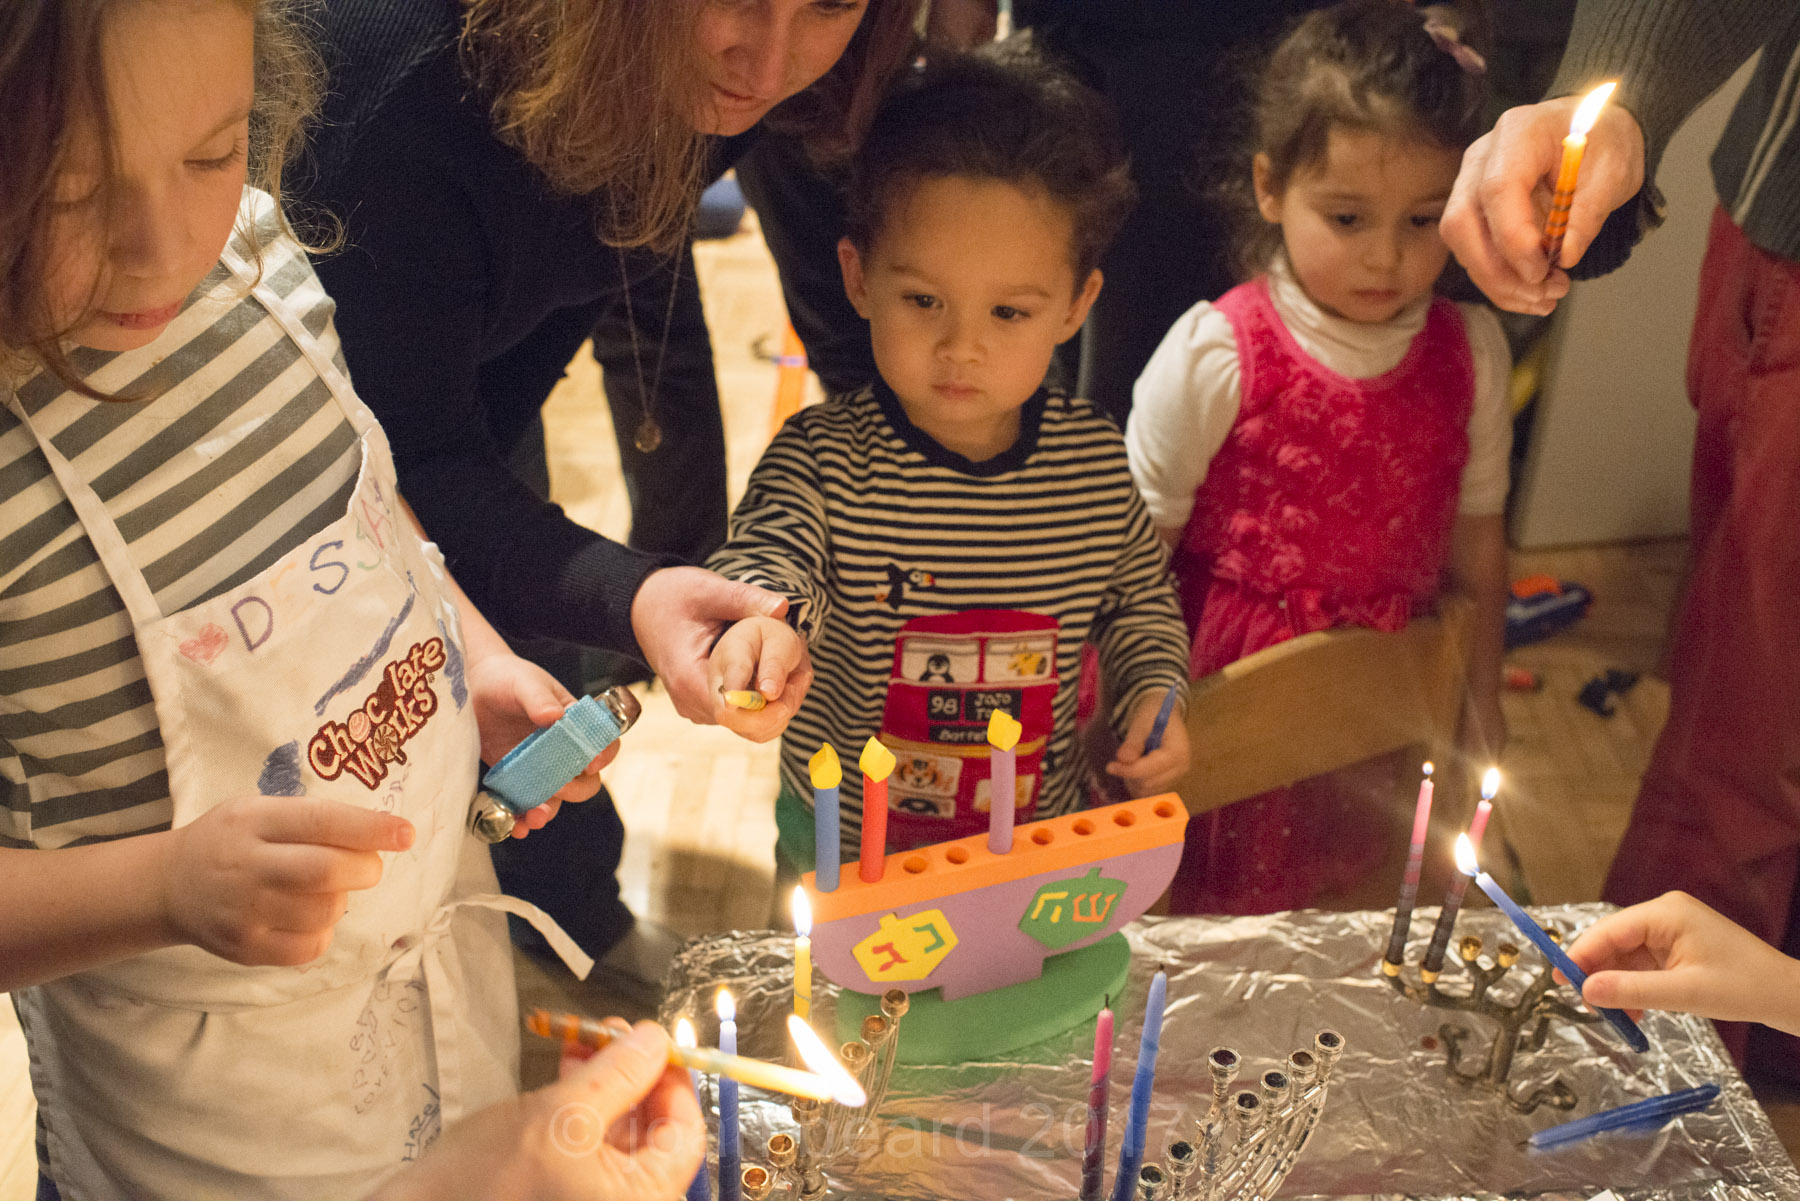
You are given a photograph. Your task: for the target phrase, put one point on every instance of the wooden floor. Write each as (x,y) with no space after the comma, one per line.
(698,803)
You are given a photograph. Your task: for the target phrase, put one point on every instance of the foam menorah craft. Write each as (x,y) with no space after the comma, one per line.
(1001,938)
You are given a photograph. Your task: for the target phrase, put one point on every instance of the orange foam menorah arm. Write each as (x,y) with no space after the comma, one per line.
(965,864)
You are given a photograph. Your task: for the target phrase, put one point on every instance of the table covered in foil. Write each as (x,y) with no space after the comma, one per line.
(1395,1124)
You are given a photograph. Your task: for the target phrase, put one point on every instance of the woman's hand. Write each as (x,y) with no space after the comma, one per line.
(760,654)
(514,697)
(623,1126)
(1148,774)
(1675,953)
(678,614)
(1494,221)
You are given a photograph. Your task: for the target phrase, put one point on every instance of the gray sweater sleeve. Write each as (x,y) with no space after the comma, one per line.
(1668,56)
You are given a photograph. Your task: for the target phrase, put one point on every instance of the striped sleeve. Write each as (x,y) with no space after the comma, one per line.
(779,535)
(1138,630)
(229,452)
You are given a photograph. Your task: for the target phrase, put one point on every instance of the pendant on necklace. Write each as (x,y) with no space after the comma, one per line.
(649,435)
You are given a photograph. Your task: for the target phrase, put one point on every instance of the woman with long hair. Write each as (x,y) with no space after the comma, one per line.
(509,178)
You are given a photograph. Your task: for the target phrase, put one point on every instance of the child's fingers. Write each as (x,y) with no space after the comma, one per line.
(535,818)
(540,697)
(333,824)
(299,867)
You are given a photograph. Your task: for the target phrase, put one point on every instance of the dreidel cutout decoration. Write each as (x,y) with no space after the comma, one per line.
(1066,911)
(957,917)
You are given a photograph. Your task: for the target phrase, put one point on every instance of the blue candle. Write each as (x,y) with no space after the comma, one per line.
(731,1156)
(1137,1119)
(1559,959)
(701,1188)
(827,773)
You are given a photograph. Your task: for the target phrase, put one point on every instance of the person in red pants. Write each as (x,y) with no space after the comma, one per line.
(1718,813)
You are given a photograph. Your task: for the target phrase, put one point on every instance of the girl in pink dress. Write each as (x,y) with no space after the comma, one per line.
(1327,444)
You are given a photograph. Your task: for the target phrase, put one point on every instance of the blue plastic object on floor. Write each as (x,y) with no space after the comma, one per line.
(1539,607)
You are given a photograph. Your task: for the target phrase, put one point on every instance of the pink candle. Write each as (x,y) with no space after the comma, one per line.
(1409,886)
(1093,1159)
(1003,758)
(1459,884)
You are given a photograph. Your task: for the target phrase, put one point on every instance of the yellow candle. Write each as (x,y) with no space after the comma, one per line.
(1574,146)
(757,1073)
(802,955)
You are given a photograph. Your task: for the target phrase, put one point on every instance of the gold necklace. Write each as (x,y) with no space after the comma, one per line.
(649,434)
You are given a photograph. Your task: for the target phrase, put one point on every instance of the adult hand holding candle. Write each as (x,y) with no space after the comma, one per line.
(701,1188)
(772,1077)
(1093,1157)
(1574,146)
(1409,884)
(1003,760)
(1559,959)
(1459,884)
(827,774)
(731,1155)
(802,955)
(877,763)
(1137,1118)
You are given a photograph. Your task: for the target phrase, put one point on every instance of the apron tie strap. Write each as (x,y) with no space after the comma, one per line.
(426,957)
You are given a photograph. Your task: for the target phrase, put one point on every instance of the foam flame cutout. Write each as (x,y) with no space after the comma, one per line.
(824,768)
(877,762)
(1003,731)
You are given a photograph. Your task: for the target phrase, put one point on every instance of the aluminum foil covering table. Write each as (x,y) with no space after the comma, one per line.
(1395,1124)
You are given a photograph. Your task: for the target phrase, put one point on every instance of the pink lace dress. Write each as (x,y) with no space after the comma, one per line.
(1330,504)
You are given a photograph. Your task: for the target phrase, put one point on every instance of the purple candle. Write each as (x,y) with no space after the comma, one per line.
(1003,759)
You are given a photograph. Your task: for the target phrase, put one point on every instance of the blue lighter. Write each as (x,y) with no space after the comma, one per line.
(540,766)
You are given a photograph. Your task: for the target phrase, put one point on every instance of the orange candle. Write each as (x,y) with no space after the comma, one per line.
(877,764)
(1574,146)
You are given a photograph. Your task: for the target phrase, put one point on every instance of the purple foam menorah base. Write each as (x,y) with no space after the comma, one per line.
(973,930)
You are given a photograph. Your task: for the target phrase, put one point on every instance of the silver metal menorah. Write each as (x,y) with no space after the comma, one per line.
(829,1129)
(1248,1141)
(1524,1023)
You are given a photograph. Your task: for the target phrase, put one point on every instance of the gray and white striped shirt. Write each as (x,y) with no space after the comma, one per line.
(850,501)
(234,454)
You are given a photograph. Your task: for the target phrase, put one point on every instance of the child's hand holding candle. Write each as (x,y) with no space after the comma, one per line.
(1559,959)
(1678,954)
(1144,767)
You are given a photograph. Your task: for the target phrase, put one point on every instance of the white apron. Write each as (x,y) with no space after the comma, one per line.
(336,673)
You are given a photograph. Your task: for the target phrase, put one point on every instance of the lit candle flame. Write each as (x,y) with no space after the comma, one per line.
(802,912)
(1589,111)
(1465,856)
(1490,783)
(819,1059)
(1428,769)
(725,1006)
(684,1033)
